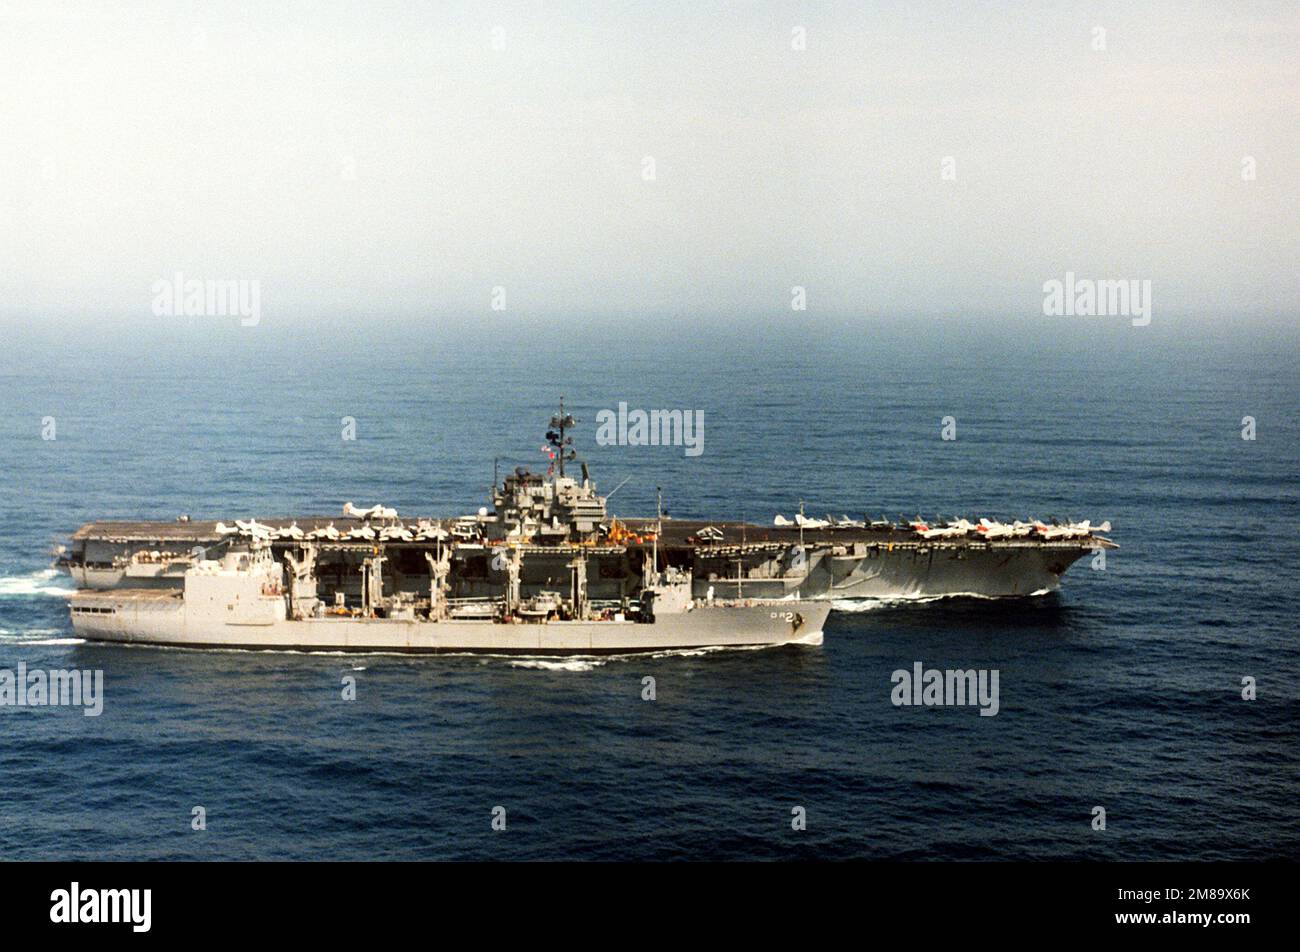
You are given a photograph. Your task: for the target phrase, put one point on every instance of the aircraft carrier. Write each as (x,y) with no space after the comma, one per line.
(547,569)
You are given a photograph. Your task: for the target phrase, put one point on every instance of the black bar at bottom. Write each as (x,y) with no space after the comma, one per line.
(336,901)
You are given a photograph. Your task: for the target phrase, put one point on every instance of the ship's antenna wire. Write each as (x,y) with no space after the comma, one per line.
(616,488)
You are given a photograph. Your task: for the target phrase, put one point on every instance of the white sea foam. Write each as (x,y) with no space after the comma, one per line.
(34,583)
(868,603)
(38,636)
(851,605)
(576,664)
(701,652)
(588,662)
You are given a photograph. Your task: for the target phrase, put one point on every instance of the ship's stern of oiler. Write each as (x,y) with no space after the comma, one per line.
(227,601)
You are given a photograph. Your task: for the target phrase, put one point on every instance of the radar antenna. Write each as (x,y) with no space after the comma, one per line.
(561,422)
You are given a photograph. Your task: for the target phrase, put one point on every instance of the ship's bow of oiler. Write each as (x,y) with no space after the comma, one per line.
(752,622)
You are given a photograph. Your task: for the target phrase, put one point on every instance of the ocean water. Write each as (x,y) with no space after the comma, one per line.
(1122,691)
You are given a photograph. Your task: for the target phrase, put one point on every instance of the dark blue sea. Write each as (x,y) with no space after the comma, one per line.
(1122,691)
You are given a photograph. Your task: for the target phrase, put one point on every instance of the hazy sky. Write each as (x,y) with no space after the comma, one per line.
(375,158)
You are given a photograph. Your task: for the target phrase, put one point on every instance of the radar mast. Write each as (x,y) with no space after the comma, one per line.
(563,445)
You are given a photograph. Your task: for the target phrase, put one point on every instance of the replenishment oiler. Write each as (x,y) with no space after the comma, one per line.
(547,570)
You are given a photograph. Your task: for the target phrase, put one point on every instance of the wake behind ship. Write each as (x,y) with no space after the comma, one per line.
(548,570)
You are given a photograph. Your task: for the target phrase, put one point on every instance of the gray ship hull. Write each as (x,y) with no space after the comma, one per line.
(1004,571)
(158,617)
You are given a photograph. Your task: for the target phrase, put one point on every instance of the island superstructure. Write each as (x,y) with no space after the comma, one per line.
(547,567)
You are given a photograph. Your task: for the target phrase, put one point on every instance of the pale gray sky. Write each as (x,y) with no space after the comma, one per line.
(377,158)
